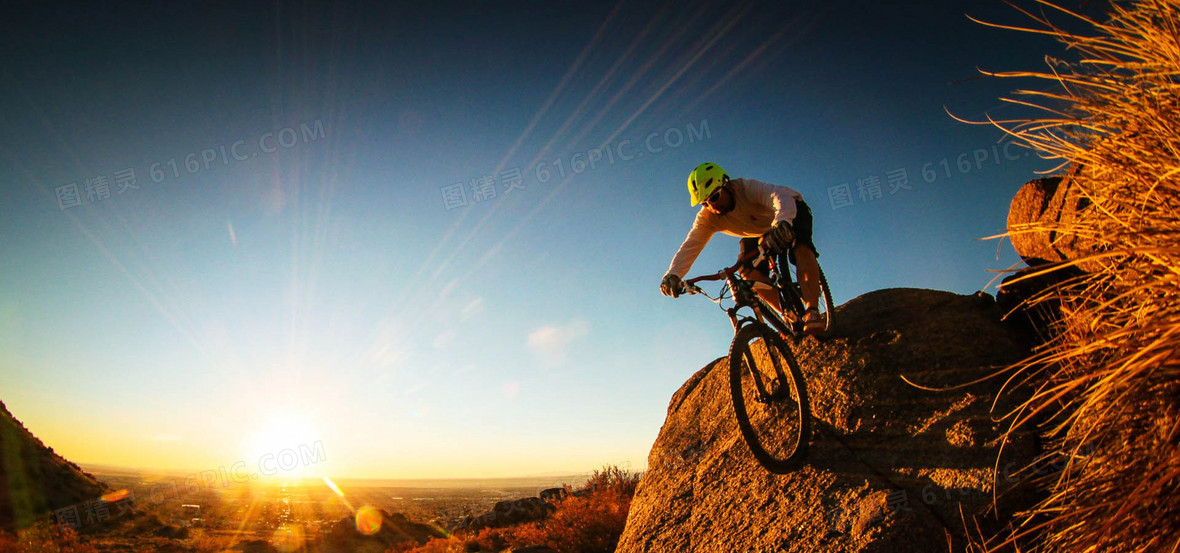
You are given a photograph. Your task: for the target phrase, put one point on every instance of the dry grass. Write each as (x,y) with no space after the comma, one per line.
(591,523)
(1108,381)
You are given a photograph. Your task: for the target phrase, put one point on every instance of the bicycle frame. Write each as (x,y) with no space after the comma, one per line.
(744,293)
(755,350)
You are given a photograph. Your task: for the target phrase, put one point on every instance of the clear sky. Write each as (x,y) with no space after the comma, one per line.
(429,239)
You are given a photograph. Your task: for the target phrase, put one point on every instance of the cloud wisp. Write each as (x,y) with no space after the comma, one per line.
(550,344)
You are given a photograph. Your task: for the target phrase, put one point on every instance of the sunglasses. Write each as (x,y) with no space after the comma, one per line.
(714,197)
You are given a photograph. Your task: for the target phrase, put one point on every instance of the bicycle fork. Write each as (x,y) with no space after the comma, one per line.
(777,379)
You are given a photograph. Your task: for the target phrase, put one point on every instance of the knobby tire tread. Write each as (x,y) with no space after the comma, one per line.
(740,348)
(829,309)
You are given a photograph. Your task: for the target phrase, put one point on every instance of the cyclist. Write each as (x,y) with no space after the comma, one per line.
(755,211)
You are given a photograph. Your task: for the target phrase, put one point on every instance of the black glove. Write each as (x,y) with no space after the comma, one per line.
(780,237)
(671,285)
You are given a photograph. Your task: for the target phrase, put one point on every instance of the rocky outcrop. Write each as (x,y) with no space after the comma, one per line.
(513,511)
(1043,221)
(892,467)
(553,495)
(35,481)
(395,529)
(1020,298)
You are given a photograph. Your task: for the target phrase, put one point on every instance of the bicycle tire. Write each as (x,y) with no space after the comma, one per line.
(792,297)
(826,302)
(778,442)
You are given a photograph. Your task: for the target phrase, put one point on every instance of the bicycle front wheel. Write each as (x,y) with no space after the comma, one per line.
(769,398)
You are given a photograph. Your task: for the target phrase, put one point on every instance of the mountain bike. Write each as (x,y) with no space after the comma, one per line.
(768,390)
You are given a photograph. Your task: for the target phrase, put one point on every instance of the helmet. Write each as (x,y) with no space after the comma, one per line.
(704,180)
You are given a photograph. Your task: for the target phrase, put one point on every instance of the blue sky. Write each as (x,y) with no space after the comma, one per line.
(292,258)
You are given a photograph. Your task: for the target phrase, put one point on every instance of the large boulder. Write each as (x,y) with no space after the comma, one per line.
(1028,209)
(1039,219)
(892,467)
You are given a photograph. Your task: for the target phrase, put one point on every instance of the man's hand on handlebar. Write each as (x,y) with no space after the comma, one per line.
(780,237)
(672,285)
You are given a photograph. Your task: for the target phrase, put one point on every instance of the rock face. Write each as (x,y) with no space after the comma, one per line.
(891,466)
(1037,213)
(1036,321)
(34,481)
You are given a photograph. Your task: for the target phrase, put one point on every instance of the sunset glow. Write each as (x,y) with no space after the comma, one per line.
(283,447)
(396,259)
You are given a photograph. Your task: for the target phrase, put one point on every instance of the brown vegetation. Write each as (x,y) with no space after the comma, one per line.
(587,521)
(44,538)
(1108,380)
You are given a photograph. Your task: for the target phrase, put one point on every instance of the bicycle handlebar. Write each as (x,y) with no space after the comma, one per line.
(690,287)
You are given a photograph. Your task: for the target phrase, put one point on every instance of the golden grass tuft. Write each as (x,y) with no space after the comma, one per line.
(1107,384)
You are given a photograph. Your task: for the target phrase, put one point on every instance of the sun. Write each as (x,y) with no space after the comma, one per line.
(284,446)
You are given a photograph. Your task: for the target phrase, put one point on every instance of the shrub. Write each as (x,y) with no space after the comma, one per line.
(1109,380)
(590,522)
(436,545)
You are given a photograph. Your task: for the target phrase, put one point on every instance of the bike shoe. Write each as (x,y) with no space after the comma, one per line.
(813,322)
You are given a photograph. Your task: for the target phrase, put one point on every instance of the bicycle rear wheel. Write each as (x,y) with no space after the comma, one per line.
(769,398)
(791,298)
(825,302)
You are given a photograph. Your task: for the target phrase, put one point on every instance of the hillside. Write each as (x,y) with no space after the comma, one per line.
(33,479)
(891,467)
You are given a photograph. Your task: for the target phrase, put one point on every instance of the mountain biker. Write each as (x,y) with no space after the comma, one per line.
(757,212)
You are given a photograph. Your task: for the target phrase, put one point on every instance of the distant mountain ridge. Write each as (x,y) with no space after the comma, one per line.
(34,480)
(541,481)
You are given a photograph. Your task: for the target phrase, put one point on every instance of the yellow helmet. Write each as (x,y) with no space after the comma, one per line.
(704,180)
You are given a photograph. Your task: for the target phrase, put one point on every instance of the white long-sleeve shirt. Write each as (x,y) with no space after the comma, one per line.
(758,206)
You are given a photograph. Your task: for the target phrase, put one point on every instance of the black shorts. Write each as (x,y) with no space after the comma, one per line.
(802,225)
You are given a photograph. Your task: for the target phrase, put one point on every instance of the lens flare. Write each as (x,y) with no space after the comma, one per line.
(332,486)
(111,497)
(368,520)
